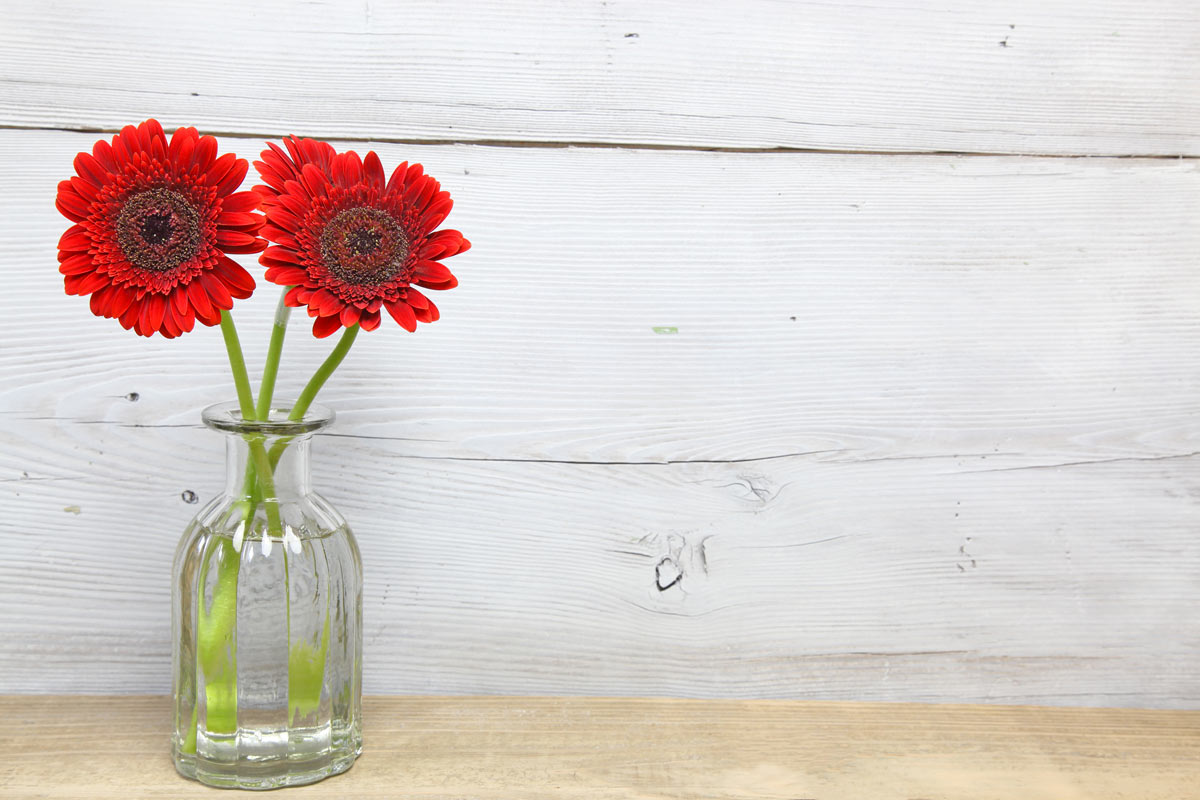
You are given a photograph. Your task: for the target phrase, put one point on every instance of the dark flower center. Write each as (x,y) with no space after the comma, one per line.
(362,243)
(364,246)
(158,230)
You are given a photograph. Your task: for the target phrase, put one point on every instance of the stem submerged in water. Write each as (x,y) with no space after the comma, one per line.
(216,624)
(216,634)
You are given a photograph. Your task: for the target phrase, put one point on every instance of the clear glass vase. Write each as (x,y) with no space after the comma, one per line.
(267,620)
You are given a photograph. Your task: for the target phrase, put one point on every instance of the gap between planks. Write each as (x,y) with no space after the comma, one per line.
(562,145)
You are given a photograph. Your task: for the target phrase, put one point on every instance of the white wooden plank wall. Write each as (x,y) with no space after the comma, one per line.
(927,429)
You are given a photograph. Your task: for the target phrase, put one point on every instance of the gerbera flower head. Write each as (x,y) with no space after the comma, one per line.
(349,241)
(154,220)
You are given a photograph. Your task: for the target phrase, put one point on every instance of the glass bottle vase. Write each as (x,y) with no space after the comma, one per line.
(267,617)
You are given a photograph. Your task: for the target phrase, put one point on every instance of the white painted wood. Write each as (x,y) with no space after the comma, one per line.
(926,431)
(1029,76)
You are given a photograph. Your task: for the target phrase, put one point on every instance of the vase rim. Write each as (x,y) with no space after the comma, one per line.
(227,417)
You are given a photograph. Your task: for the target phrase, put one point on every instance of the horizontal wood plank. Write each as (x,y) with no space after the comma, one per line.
(924,430)
(495,748)
(1113,77)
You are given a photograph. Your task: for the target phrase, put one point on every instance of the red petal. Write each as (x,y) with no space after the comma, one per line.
(227,238)
(285,276)
(396,183)
(129,138)
(239,242)
(416,299)
(279,236)
(440,243)
(200,302)
(154,306)
(349,315)
(275,177)
(119,302)
(403,314)
(295,297)
(427,192)
(186,319)
(103,153)
(180,139)
(369,320)
(93,282)
(71,206)
(347,169)
(438,211)
(99,302)
(240,202)
(373,171)
(169,328)
(84,189)
(90,170)
(439,286)
(206,150)
(152,130)
(326,302)
(130,315)
(324,326)
(121,151)
(432,271)
(234,177)
(75,239)
(240,284)
(219,169)
(414,187)
(239,220)
(293,204)
(216,290)
(77,264)
(314,180)
(280,255)
(284,219)
(428,314)
(187,148)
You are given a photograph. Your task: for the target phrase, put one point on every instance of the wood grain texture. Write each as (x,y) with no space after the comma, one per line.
(494,748)
(1110,77)
(925,431)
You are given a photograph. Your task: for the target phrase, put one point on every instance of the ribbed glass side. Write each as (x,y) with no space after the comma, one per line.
(267,627)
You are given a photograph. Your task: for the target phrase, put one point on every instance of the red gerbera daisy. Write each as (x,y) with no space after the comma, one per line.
(153,222)
(351,242)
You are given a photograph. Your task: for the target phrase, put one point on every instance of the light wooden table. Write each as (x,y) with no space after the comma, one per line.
(510,747)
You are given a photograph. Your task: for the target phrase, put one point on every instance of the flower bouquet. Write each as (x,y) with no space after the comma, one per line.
(267,582)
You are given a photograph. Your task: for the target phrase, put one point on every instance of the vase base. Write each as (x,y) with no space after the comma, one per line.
(263,775)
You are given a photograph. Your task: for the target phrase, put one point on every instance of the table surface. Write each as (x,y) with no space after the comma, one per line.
(58,746)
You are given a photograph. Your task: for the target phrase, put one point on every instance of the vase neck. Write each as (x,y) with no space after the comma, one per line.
(289,456)
(277,446)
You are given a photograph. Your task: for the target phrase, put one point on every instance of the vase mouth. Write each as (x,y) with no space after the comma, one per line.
(227,417)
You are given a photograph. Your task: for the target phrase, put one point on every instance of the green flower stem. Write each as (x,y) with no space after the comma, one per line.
(331,363)
(266,484)
(237,364)
(266,393)
(216,650)
(216,643)
(323,372)
(216,625)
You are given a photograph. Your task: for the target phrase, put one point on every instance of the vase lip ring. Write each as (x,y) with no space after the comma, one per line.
(227,417)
